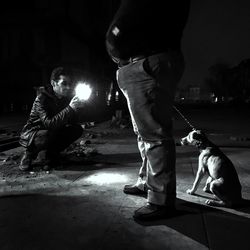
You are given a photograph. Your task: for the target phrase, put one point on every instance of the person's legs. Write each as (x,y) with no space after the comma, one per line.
(39,142)
(140,187)
(141,181)
(150,89)
(26,160)
(53,142)
(59,140)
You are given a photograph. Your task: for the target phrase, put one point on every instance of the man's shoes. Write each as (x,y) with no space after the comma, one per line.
(25,163)
(51,161)
(47,167)
(134,190)
(50,164)
(153,212)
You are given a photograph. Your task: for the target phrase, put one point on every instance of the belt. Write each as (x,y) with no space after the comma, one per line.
(123,62)
(133,59)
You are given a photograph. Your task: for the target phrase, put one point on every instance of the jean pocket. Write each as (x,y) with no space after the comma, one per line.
(146,67)
(151,66)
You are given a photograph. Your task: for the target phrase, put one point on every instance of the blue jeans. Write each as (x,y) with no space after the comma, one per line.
(149,86)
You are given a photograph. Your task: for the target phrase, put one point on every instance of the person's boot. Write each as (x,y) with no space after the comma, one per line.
(133,190)
(52,160)
(25,163)
(154,212)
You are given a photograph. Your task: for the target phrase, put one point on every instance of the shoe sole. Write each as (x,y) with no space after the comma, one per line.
(135,193)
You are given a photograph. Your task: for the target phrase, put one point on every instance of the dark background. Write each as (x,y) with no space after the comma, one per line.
(38,35)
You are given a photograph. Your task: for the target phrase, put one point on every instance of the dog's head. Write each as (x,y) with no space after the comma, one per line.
(195,138)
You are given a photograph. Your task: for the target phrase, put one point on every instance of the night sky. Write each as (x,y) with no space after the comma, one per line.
(217,31)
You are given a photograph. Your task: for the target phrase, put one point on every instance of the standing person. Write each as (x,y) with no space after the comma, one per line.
(53,123)
(144,39)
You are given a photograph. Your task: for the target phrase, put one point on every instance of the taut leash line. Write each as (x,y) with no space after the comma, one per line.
(184,118)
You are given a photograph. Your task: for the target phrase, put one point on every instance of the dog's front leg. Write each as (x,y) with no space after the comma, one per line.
(200,173)
(207,185)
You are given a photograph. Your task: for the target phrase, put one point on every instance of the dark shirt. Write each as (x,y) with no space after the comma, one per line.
(146,26)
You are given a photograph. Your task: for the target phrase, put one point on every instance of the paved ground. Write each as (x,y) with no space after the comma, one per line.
(81,205)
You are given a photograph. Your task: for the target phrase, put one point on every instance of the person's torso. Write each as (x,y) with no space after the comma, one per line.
(45,104)
(143,26)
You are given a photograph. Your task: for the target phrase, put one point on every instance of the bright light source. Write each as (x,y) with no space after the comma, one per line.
(83,91)
(107,178)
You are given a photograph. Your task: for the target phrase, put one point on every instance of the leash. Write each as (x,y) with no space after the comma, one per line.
(184,118)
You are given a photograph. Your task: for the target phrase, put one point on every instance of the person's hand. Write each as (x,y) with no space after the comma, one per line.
(76,103)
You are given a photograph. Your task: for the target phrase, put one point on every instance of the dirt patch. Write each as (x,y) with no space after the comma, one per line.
(81,151)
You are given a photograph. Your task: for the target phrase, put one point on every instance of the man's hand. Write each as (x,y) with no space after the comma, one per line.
(76,103)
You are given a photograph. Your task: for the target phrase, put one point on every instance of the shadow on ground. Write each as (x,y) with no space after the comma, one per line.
(71,221)
(231,230)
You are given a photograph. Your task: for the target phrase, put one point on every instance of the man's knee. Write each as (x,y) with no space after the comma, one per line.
(41,140)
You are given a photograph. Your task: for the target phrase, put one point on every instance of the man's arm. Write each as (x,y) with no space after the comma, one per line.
(50,122)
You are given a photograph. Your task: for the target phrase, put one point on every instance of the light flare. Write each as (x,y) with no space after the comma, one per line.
(83,91)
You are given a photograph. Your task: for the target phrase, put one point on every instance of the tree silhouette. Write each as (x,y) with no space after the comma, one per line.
(226,82)
(217,81)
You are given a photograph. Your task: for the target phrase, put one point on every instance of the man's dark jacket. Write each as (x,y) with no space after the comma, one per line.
(48,113)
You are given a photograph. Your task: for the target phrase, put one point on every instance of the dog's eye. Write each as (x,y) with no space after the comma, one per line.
(196,136)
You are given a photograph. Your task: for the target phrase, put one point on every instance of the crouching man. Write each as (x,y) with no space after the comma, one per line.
(53,121)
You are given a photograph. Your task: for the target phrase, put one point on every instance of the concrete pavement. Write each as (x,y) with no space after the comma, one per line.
(82,206)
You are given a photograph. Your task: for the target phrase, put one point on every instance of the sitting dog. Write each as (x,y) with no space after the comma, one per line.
(222,179)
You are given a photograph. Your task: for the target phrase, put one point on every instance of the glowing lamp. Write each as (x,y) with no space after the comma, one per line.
(83,91)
